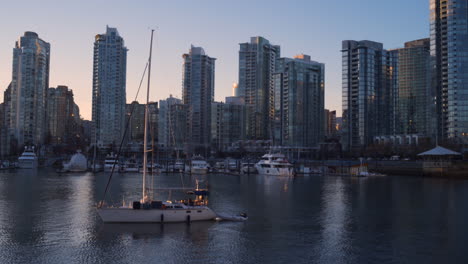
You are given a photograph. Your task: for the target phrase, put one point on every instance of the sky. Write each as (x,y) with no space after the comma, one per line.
(313,27)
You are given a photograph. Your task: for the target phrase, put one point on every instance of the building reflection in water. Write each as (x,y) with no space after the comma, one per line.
(334,242)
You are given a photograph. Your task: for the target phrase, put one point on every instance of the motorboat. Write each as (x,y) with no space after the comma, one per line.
(131,165)
(198,165)
(274,164)
(77,163)
(231,165)
(110,162)
(248,168)
(155,167)
(28,160)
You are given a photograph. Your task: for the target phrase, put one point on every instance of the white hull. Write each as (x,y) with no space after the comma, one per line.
(27,164)
(108,168)
(275,171)
(131,170)
(199,170)
(129,215)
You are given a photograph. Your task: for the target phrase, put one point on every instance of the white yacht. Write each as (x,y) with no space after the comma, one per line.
(198,165)
(28,160)
(274,164)
(148,210)
(131,165)
(109,162)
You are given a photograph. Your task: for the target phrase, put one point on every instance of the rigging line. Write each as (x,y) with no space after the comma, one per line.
(123,138)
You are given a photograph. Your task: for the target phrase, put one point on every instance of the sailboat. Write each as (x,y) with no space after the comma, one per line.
(148,210)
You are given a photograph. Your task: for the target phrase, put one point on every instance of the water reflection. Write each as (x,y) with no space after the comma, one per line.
(50,218)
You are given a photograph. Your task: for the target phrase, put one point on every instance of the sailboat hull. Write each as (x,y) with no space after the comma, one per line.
(129,215)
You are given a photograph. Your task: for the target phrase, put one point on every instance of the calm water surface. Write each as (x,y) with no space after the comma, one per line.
(50,218)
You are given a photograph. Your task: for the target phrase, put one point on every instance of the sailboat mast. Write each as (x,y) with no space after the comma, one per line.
(145,140)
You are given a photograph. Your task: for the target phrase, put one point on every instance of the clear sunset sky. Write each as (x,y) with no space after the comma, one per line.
(313,27)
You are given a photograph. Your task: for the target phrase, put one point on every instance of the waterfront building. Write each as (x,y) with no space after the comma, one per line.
(414,104)
(63,118)
(5,135)
(166,128)
(30,81)
(330,124)
(298,99)
(197,95)
(227,122)
(257,64)
(364,90)
(109,82)
(136,122)
(449,62)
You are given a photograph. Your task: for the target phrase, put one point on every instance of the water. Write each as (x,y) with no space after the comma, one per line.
(50,218)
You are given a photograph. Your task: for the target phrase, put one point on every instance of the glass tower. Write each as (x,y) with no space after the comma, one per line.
(31,58)
(257,64)
(197,95)
(299,102)
(109,82)
(414,97)
(363,88)
(449,63)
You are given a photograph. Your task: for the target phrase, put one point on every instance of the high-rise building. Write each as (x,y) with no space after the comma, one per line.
(363,89)
(166,128)
(31,57)
(5,122)
(63,118)
(299,102)
(330,124)
(109,80)
(197,95)
(136,124)
(257,64)
(414,101)
(136,127)
(227,121)
(449,62)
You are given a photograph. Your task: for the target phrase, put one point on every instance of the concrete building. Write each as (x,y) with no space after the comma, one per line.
(257,64)
(109,82)
(197,95)
(30,81)
(298,99)
(63,118)
(449,62)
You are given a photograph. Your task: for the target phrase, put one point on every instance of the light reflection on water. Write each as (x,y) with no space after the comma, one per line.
(47,217)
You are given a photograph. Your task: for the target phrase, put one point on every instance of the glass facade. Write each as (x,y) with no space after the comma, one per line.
(30,81)
(257,64)
(197,95)
(365,95)
(109,87)
(414,97)
(449,62)
(298,102)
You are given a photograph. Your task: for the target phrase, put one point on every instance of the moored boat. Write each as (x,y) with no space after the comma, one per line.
(28,160)
(274,164)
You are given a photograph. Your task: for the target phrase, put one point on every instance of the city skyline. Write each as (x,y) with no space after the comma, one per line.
(74,69)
